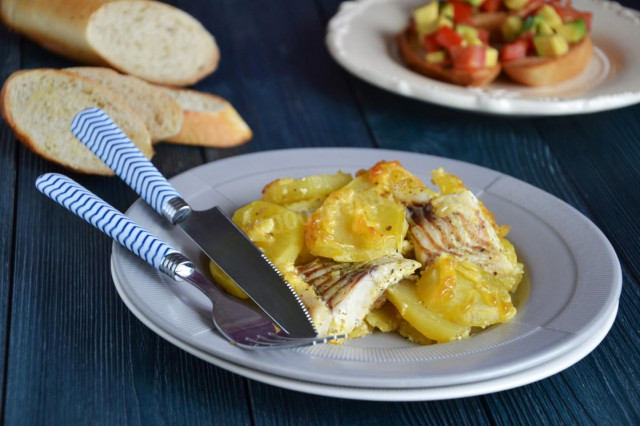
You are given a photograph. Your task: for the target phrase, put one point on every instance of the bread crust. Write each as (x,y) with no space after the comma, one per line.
(50,24)
(160,112)
(64,26)
(412,55)
(218,129)
(541,71)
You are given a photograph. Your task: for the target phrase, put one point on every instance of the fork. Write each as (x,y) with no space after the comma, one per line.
(242,325)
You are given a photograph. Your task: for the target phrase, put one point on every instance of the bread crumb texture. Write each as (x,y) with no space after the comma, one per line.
(40,105)
(153,41)
(160,112)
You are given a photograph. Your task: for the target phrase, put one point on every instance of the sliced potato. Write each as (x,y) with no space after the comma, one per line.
(386,318)
(304,194)
(356,226)
(461,293)
(430,324)
(278,231)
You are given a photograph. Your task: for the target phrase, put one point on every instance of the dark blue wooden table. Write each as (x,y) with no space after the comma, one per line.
(72,353)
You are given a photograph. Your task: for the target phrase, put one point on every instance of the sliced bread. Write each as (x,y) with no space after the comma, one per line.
(152,40)
(40,104)
(160,112)
(209,120)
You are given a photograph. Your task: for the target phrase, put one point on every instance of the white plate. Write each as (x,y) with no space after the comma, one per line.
(565,307)
(361,37)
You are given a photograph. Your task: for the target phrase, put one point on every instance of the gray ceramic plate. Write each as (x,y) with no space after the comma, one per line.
(565,306)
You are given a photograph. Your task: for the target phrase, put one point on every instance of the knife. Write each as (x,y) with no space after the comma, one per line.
(211,230)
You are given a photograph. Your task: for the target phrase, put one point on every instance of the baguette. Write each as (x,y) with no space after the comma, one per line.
(160,112)
(413,56)
(40,104)
(540,71)
(151,40)
(208,120)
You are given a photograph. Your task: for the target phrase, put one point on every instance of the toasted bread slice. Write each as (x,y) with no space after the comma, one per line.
(160,112)
(40,104)
(149,39)
(541,71)
(413,56)
(209,120)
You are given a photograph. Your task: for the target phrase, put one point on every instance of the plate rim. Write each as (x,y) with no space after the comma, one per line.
(378,153)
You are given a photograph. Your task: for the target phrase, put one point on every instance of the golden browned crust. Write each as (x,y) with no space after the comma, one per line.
(537,71)
(222,128)
(413,56)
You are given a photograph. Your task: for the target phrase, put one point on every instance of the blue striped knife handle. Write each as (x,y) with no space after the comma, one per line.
(104,138)
(98,213)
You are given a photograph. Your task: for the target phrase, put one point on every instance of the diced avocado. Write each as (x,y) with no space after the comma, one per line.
(436,57)
(511,27)
(491,57)
(425,16)
(542,28)
(550,16)
(447,10)
(550,45)
(469,34)
(466,31)
(515,4)
(530,23)
(574,31)
(444,21)
(473,41)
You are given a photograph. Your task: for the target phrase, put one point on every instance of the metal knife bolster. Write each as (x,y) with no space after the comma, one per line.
(176,210)
(224,243)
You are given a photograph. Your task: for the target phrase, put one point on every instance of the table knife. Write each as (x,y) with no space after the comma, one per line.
(211,230)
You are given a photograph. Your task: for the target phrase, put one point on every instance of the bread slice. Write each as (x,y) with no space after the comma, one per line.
(151,40)
(209,120)
(160,112)
(40,104)
(413,56)
(544,71)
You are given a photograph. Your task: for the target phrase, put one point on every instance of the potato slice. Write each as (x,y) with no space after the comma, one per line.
(304,195)
(278,231)
(432,325)
(461,293)
(356,226)
(386,318)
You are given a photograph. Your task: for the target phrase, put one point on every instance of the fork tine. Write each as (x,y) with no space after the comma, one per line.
(282,341)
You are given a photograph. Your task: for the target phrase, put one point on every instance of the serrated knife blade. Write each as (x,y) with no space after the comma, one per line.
(216,235)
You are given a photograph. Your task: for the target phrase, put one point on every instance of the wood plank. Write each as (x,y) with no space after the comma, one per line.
(279,76)
(10,51)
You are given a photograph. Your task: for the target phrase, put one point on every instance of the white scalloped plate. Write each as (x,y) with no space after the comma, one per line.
(565,307)
(361,38)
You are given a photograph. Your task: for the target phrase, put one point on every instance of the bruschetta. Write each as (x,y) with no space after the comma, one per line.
(439,42)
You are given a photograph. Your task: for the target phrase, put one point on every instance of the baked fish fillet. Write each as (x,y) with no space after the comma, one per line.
(456,224)
(347,291)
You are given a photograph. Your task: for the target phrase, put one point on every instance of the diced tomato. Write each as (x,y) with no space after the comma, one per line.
(447,37)
(490,5)
(483,35)
(430,44)
(462,12)
(468,57)
(514,51)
